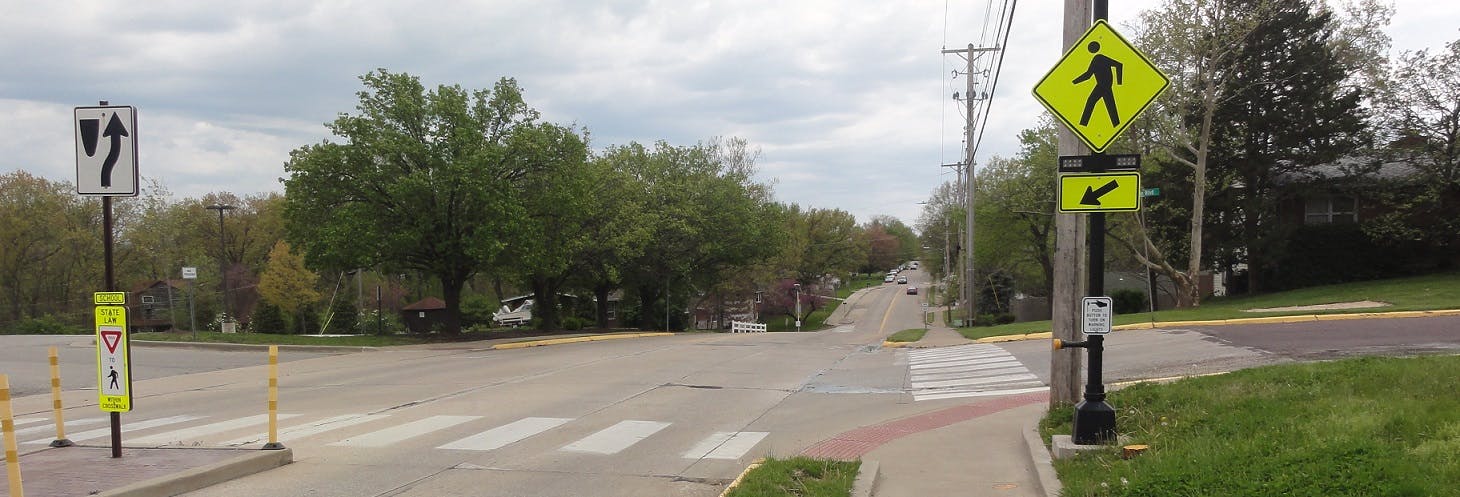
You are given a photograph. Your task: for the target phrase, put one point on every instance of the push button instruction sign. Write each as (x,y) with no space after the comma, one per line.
(113,365)
(1097,312)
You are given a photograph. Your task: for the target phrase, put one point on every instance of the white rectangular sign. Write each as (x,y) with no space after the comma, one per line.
(106,150)
(1097,313)
(190,273)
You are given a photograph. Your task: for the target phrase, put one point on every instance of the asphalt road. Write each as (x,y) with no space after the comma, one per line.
(26,359)
(679,415)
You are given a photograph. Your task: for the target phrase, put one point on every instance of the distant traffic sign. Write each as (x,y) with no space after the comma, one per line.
(1100,85)
(109,298)
(1100,192)
(106,150)
(190,273)
(1150,192)
(1096,315)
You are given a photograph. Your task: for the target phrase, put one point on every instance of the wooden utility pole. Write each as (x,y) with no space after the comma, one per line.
(967,289)
(1066,365)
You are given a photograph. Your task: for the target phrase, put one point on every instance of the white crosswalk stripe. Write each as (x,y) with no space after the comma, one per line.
(313,428)
(976,370)
(507,434)
(186,435)
(126,428)
(392,435)
(616,438)
(52,428)
(726,445)
(729,445)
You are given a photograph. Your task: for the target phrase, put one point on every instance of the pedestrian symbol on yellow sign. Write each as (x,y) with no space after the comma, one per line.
(1100,68)
(1100,86)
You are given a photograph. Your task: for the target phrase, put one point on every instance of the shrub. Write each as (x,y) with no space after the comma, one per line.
(1128,301)
(343,317)
(268,318)
(44,325)
(572,323)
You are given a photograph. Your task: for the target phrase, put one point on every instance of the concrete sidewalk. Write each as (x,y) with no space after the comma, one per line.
(983,447)
(89,470)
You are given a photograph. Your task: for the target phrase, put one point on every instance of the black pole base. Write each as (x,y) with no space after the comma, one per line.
(273,446)
(1094,423)
(62,442)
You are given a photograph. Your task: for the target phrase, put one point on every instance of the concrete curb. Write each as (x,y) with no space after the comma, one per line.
(866,480)
(738,479)
(246,346)
(894,345)
(1049,481)
(1307,318)
(589,338)
(205,476)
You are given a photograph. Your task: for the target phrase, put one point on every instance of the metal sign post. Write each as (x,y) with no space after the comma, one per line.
(110,174)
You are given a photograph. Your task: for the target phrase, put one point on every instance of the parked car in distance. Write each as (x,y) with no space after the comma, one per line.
(902,280)
(912,290)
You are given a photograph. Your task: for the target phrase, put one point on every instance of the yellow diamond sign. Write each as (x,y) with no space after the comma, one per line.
(1100,86)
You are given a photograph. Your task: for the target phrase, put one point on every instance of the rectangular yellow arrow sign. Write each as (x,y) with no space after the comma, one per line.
(1100,192)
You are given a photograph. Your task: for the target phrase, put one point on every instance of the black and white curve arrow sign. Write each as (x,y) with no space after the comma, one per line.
(1092,195)
(116,130)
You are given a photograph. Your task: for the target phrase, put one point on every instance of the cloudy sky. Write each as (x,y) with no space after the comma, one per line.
(848,101)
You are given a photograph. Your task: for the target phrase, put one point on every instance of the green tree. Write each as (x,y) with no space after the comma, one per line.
(1288,110)
(286,283)
(824,241)
(557,203)
(423,181)
(50,248)
(268,318)
(344,318)
(1015,209)
(617,224)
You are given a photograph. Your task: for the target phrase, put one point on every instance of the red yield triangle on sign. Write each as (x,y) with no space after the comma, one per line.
(111,338)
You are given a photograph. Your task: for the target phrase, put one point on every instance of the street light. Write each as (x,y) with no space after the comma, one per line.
(222,256)
(797,286)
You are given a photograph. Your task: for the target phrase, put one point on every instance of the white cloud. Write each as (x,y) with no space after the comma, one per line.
(849,101)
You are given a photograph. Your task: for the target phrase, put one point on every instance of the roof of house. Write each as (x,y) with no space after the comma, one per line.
(426,304)
(150,284)
(1355,167)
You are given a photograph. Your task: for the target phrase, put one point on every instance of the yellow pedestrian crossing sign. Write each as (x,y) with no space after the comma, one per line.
(1100,86)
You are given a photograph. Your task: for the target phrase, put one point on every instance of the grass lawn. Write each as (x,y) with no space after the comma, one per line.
(799,477)
(1369,426)
(1419,293)
(911,335)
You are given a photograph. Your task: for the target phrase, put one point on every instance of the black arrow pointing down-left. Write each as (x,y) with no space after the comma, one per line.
(1092,195)
(116,130)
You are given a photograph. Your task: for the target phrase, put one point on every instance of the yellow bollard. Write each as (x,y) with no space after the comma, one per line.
(7,425)
(60,440)
(273,400)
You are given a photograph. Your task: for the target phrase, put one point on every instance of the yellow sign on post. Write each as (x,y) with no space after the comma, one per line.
(113,359)
(1100,86)
(1100,192)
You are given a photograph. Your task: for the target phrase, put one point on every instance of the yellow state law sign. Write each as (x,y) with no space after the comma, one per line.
(1115,191)
(113,359)
(1100,86)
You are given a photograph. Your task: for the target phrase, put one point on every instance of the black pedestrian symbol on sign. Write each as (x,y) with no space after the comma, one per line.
(113,376)
(89,138)
(1100,68)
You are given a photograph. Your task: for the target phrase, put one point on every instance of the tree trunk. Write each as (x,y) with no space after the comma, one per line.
(647,297)
(451,293)
(545,296)
(601,291)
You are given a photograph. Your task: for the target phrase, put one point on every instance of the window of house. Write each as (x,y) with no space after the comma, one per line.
(148,299)
(1329,210)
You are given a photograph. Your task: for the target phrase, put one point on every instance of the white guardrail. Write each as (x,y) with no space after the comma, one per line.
(739,327)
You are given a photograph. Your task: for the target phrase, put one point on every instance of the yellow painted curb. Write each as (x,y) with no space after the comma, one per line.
(887,344)
(1015,338)
(590,338)
(738,479)
(1307,318)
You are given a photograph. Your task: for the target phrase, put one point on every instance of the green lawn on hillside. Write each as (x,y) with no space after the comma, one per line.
(1368,426)
(1419,293)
